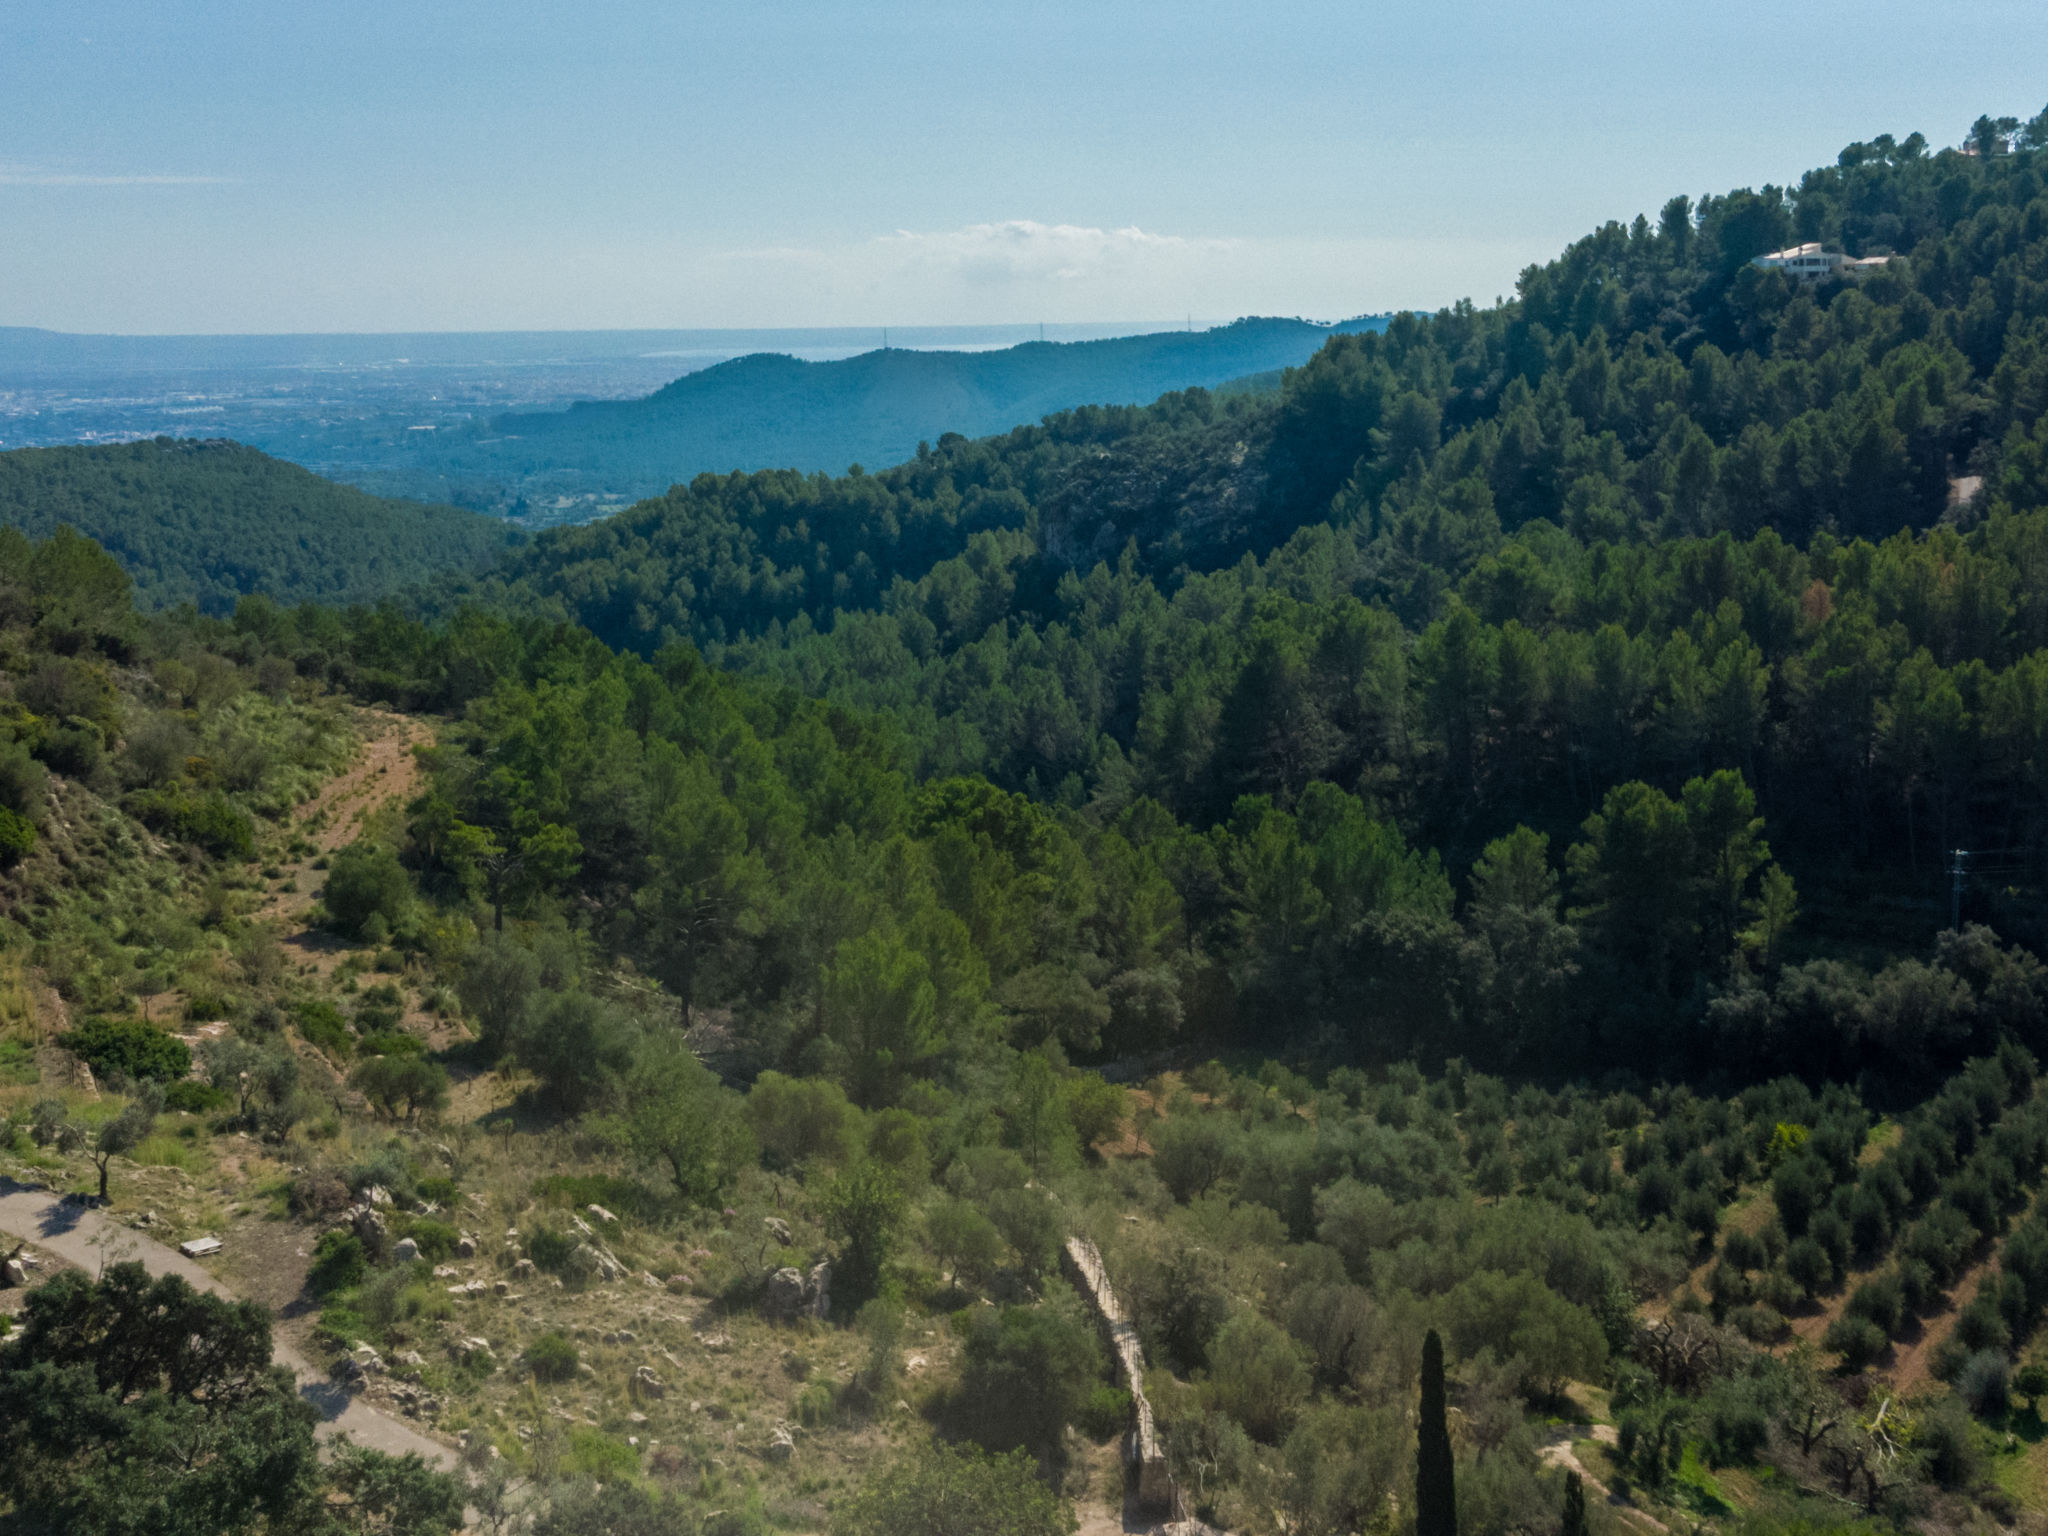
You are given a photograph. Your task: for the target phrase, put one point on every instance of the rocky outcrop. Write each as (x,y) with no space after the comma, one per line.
(792,1294)
(1144,1459)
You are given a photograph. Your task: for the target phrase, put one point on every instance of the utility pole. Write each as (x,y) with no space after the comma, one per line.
(1989,861)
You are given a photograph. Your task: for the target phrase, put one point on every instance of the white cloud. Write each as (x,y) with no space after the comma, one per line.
(1024,250)
(16,175)
(1024,269)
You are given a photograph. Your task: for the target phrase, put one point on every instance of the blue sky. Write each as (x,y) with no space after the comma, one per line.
(206,166)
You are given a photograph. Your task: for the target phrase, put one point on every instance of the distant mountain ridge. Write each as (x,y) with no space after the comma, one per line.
(769,410)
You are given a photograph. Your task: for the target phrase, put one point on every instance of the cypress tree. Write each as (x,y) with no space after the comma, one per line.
(1436,1504)
(1574,1522)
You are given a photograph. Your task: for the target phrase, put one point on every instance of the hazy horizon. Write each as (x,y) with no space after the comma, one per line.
(526,167)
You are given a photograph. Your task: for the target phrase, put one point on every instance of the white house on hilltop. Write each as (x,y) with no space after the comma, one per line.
(1808,263)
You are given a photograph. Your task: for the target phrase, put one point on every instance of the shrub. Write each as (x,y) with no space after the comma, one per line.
(621,1196)
(195,1097)
(593,1453)
(17,837)
(798,1119)
(365,880)
(401,1084)
(550,1249)
(436,1239)
(1879,1300)
(1191,1152)
(129,1047)
(552,1357)
(1105,1414)
(339,1263)
(1856,1339)
(937,1490)
(326,1030)
(209,821)
(1985,1383)
(1257,1375)
(1809,1266)
(1025,1373)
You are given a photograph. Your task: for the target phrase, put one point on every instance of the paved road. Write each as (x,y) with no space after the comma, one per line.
(86,1238)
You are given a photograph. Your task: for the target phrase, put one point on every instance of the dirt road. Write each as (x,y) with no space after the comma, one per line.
(84,1237)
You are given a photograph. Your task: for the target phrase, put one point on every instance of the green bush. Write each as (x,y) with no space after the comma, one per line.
(550,1249)
(128,1047)
(364,881)
(593,1453)
(210,821)
(436,1239)
(552,1358)
(339,1263)
(397,1085)
(195,1097)
(1856,1339)
(937,1490)
(325,1029)
(17,837)
(1106,1413)
(621,1196)
(437,1188)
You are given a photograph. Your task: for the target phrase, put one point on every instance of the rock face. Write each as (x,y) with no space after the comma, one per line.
(1144,1459)
(792,1294)
(594,1263)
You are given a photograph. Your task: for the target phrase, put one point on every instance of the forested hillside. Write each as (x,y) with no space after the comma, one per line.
(210,522)
(1439,874)
(769,411)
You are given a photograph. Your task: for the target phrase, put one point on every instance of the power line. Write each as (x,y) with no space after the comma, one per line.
(1965,862)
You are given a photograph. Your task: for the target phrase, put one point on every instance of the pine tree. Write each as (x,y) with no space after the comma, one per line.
(1436,1505)
(1574,1522)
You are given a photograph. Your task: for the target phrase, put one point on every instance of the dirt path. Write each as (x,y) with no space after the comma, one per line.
(1558,1451)
(385,771)
(84,1237)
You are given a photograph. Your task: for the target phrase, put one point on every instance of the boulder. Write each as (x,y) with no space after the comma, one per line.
(599,1213)
(367,1360)
(778,1229)
(594,1262)
(406,1252)
(465,1246)
(16,1273)
(781,1444)
(377,1194)
(523,1269)
(647,1384)
(371,1231)
(818,1290)
(784,1299)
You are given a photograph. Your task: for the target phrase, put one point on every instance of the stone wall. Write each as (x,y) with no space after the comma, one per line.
(1144,1461)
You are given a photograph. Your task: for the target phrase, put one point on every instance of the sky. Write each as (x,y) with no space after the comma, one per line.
(446,165)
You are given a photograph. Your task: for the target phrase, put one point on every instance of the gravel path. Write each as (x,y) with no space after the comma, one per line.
(86,1238)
